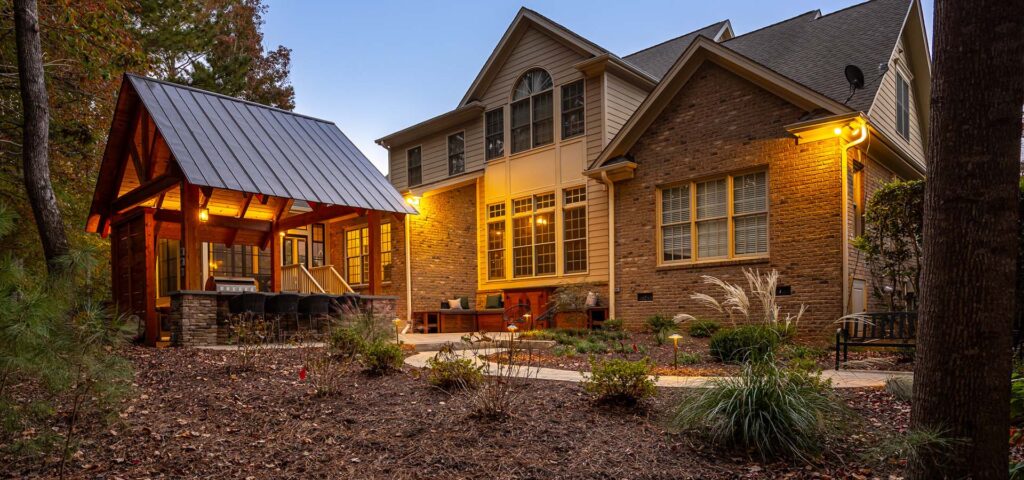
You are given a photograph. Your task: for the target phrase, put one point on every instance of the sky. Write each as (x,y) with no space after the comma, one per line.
(374,67)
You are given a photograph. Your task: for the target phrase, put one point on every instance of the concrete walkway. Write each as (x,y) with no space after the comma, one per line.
(840,379)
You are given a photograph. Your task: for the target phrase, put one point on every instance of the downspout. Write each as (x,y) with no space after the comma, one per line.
(611,243)
(847,281)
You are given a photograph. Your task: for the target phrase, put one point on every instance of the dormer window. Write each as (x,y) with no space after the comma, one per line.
(532,111)
(902,106)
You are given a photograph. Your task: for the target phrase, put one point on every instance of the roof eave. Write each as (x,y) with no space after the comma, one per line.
(439,123)
(608,63)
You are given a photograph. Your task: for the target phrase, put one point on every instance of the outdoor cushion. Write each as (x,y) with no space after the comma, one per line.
(464,301)
(455,304)
(493,301)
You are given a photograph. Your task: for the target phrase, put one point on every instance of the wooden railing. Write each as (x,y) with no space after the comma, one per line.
(295,278)
(331,281)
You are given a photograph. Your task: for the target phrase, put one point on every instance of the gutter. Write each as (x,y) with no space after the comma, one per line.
(847,281)
(611,243)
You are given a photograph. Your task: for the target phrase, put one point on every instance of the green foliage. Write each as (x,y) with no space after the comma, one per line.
(612,325)
(703,328)
(449,371)
(910,446)
(893,238)
(382,357)
(770,410)
(564,351)
(581,341)
(355,329)
(1017,394)
(57,351)
(748,342)
(661,326)
(690,358)
(620,381)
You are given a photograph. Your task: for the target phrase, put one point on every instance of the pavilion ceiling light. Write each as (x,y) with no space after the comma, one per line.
(204,215)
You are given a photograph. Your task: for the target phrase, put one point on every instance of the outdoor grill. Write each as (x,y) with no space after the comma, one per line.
(231,284)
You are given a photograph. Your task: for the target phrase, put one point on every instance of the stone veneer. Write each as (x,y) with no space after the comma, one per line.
(722,124)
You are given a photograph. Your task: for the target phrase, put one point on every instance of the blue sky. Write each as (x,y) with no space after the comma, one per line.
(375,67)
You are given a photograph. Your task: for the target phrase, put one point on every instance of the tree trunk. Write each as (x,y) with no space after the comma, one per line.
(961,385)
(36,131)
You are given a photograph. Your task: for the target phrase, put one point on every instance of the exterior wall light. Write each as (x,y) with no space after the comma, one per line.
(838,131)
(204,215)
(412,200)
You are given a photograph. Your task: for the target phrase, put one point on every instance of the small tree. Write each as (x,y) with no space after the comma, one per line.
(892,241)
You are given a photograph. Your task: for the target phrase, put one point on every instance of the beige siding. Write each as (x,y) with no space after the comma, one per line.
(434,155)
(535,49)
(623,98)
(595,128)
(883,110)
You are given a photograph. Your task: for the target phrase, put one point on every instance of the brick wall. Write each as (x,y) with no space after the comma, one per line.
(443,250)
(718,124)
(193,319)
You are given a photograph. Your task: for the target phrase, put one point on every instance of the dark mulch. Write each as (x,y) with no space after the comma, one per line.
(190,417)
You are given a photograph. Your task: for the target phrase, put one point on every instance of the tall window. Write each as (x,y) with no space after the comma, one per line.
(456,153)
(241,261)
(357,254)
(494,134)
(532,111)
(729,216)
(902,106)
(318,245)
(572,109)
(167,266)
(415,169)
(496,241)
(533,235)
(574,220)
(293,250)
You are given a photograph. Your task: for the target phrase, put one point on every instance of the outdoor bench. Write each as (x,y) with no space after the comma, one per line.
(884,329)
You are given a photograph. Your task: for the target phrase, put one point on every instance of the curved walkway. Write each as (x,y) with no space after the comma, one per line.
(840,379)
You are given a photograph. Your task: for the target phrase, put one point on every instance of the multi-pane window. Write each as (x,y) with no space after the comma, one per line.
(240,261)
(532,111)
(750,214)
(318,245)
(727,217)
(533,235)
(415,168)
(494,135)
(357,254)
(572,109)
(902,106)
(574,220)
(167,265)
(456,153)
(496,241)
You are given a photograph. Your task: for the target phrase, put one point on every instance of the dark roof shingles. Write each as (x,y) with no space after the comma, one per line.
(658,59)
(224,142)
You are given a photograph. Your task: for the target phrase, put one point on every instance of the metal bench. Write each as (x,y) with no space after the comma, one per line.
(879,330)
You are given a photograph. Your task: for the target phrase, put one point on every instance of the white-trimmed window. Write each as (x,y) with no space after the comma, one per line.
(714,219)
(533,235)
(357,254)
(572,109)
(902,106)
(456,153)
(496,241)
(532,111)
(574,233)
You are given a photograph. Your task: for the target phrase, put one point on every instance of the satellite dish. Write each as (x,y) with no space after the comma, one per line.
(855,76)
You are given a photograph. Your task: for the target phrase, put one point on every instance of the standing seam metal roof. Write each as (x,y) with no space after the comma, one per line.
(224,142)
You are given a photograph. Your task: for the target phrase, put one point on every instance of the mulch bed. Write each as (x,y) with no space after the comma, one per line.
(191,417)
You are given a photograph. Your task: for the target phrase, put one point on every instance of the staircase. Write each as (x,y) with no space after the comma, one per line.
(322,279)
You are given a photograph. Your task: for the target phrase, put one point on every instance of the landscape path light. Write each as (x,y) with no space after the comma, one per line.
(675,349)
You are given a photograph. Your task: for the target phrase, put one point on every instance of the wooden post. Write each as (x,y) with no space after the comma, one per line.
(152,323)
(192,256)
(275,260)
(373,225)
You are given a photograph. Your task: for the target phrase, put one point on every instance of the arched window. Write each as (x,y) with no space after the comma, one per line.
(532,111)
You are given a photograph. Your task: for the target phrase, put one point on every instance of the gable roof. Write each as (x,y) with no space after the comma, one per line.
(814,49)
(525,19)
(657,59)
(224,142)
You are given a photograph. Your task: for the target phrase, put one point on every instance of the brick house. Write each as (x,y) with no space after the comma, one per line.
(702,155)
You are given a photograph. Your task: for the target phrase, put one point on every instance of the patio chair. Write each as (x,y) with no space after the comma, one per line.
(283,309)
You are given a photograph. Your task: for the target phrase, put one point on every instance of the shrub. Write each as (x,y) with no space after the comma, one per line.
(564,351)
(689,358)
(381,357)
(770,410)
(251,335)
(319,368)
(612,325)
(703,328)
(620,381)
(345,341)
(449,371)
(660,326)
(744,343)
(591,346)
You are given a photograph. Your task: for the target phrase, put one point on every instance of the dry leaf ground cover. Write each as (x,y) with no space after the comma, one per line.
(191,417)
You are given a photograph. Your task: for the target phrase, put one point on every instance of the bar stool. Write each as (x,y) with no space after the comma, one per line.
(313,307)
(249,303)
(283,308)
